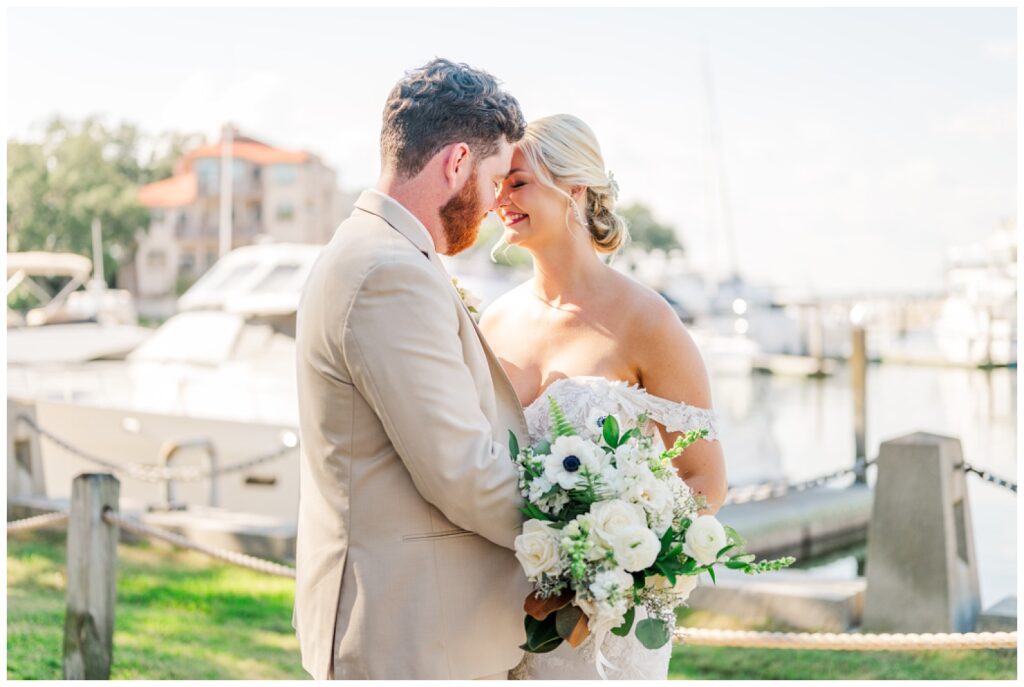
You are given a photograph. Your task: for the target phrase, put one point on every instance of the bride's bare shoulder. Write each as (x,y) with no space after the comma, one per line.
(504,308)
(648,310)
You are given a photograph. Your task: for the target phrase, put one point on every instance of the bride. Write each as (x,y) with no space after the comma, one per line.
(593,338)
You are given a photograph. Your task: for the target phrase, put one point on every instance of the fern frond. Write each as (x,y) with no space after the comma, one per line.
(558,422)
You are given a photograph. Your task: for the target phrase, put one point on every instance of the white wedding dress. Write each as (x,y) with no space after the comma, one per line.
(584,400)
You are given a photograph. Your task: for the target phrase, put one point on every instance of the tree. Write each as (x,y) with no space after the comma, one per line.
(80,171)
(645,231)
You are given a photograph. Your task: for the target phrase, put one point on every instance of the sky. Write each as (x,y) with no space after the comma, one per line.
(856,144)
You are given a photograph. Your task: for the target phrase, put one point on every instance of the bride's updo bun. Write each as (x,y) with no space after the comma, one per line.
(562,148)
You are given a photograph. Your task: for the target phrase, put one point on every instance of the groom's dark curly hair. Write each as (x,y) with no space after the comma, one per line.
(441,103)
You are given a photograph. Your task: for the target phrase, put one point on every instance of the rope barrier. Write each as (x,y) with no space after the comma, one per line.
(686,635)
(239,559)
(154,473)
(37,521)
(845,641)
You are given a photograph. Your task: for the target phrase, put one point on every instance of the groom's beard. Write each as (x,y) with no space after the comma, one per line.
(461,217)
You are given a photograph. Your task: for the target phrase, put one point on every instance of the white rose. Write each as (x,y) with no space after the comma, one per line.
(704,539)
(683,586)
(537,549)
(568,458)
(635,548)
(609,582)
(611,517)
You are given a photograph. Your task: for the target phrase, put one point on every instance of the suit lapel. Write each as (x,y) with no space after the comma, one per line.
(404,223)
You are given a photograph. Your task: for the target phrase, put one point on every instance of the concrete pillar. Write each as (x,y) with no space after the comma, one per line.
(922,574)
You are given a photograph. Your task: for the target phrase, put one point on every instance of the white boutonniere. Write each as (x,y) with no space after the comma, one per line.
(471,301)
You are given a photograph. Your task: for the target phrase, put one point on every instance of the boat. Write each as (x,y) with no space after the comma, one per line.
(85,320)
(214,386)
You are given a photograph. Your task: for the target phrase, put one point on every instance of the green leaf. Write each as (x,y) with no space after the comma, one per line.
(736,564)
(711,572)
(566,619)
(639,580)
(541,635)
(629,434)
(513,444)
(734,536)
(542,448)
(689,565)
(533,512)
(652,633)
(666,539)
(610,431)
(723,550)
(627,623)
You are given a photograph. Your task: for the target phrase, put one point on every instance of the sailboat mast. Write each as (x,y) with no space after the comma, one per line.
(718,158)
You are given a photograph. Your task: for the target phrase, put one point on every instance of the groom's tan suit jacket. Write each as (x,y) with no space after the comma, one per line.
(408,501)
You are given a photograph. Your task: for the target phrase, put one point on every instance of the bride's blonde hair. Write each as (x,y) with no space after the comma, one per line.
(563,148)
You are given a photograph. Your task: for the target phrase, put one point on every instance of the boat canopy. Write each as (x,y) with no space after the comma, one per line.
(43,264)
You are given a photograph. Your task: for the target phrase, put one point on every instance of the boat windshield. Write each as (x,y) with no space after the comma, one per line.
(205,337)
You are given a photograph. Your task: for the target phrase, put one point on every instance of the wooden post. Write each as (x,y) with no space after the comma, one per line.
(91,579)
(858,369)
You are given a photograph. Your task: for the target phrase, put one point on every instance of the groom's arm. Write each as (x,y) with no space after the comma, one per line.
(403,351)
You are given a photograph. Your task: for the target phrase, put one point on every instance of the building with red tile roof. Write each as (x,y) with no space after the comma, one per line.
(277,195)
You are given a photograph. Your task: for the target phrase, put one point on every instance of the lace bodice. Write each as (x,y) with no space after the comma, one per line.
(584,399)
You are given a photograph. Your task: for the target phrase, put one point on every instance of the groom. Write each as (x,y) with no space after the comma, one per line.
(408,498)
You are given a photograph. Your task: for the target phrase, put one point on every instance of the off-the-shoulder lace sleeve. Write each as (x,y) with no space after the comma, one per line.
(672,415)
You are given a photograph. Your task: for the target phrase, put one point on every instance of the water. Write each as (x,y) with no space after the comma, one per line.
(790,428)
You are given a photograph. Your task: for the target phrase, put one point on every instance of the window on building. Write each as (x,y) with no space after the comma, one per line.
(284,174)
(208,175)
(284,212)
(186,263)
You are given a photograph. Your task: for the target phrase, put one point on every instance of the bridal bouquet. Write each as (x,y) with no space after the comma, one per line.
(612,527)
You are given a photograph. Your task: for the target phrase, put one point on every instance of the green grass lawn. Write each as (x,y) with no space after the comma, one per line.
(181,615)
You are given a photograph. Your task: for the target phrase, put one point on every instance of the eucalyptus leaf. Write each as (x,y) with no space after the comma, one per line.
(542,448)
(627,623)
(652,633)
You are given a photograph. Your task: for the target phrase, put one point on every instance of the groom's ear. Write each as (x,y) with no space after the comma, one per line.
(457,164)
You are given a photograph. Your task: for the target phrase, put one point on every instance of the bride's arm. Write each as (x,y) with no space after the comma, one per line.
(669,365)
